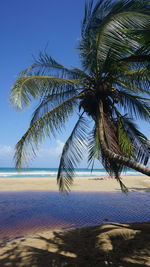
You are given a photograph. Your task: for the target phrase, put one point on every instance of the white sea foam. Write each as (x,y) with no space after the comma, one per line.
(53,173)
(32,173)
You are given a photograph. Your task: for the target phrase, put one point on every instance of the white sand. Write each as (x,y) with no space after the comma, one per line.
(134,183)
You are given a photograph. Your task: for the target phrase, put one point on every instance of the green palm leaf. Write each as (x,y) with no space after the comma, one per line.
(138,77)
(134,105)
(50,101)
(52,121)
(46,65)
(94,151)
(140,142)
(134,88)
(105,29)
(142,36)
(27,88)
(72,154)
(124,140)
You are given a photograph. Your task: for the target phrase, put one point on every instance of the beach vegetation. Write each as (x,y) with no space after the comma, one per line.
(111,89)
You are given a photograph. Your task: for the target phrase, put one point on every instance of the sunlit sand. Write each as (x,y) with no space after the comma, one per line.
(134,183)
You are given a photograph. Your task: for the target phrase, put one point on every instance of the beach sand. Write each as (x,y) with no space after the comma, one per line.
(134,183)
(113,244)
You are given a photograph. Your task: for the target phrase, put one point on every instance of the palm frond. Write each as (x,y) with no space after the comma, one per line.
(93,147)
(27,88)
(72,154)
(142,36)
(138,77)
(133,88)
(50,101)
(124,140)
(123,187)
(104,30)
(140,143)
(94,15)
(87,15)
(79,74)
(136,58)
(110,35)
(134,105)
(45,65)
(52,121)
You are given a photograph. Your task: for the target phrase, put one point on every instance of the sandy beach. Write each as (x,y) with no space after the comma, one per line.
(111,244)
(114,244)
(134,183)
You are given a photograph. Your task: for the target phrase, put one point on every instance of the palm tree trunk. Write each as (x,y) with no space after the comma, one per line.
(116,157)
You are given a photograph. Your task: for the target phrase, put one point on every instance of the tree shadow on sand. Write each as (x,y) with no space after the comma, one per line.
(135,189)
(139,189)
(117,245)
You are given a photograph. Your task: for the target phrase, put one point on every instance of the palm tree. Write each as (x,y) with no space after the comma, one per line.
(111,89)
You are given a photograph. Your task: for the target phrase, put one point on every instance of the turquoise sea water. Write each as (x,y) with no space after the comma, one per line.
(52,172)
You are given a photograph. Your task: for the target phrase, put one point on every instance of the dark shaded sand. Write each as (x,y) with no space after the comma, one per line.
(111,244)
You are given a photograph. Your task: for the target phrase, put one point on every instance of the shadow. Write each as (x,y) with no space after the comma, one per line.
(114,245)
(138,189)
(31,256)
(134,189)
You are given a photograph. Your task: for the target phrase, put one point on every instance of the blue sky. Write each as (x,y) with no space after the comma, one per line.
(26,28)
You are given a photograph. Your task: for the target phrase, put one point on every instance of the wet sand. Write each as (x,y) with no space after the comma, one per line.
(86,184)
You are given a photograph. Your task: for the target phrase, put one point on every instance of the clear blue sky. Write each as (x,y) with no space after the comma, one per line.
(27,27)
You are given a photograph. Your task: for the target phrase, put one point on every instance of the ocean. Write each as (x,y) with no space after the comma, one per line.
(52,172)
